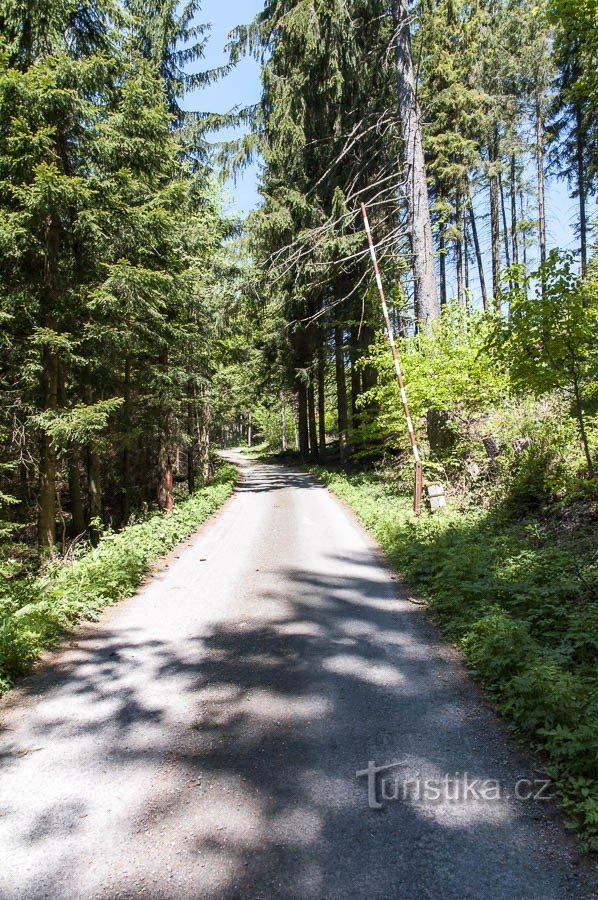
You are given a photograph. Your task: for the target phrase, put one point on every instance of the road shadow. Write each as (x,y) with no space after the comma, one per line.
(280,711)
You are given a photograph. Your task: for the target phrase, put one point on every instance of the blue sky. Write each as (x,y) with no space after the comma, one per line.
(242,87)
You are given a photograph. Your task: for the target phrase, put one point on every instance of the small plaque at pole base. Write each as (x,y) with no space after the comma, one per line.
(436,498)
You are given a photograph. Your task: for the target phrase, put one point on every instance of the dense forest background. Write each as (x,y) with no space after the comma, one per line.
(140,325)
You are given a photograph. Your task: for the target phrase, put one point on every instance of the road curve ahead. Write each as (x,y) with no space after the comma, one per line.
(203,740)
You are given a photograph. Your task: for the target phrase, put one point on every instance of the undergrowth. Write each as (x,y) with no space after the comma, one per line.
(520,600)
(36,611)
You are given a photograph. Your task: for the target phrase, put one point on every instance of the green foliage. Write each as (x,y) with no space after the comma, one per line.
(444,368)
(521,601)
(35,612)
(548,342)
(80,425)
(110,230)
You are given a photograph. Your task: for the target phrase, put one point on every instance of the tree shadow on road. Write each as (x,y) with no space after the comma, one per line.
(251,744)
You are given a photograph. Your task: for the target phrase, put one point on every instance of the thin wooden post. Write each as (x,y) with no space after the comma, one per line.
(395,356)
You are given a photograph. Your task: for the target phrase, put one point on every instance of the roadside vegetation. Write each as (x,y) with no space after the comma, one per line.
(519,597)
(36,611)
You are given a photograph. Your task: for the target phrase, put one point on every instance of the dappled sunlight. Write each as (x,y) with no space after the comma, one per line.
(224,753)
(377,673)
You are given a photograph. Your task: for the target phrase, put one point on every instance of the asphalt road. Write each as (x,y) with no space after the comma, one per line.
(202,741)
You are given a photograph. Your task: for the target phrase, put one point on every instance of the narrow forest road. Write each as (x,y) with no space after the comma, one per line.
(203,740)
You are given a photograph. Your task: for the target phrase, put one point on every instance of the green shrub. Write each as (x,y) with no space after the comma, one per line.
(34,613)
(519,599)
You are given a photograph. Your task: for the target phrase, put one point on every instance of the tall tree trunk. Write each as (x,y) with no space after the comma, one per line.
(466,255)
(442,264)
(203,441)
(355,377)
(581,187)
(127,462)
(303,420)
(459,249)
(322,403)
(296,424)
(424,275)
(582,426)
(191,441)
(95,492)
(313,425)
(369,375)
(495,239)
(283,421)
(46,523)
(77,510)
(505,227)
(166,484)
(494,215)
(540,178)
(165,474)
(478,251)
(74,477)
(341,391)
(513,196)
(522,216)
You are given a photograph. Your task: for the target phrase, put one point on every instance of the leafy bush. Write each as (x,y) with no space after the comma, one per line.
(34,612)
(446,367)
(520,600)
(548,341)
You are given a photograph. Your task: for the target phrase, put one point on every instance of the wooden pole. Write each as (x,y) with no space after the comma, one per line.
(397,364)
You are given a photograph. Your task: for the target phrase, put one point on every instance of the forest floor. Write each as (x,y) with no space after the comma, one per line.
(203,739)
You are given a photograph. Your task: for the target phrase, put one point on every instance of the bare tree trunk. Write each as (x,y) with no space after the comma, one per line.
(582,427)
(322,403)
(513,192)
(466,255)
(424,275)
(442,264)
(283,421)
(581,188)
(478,252)
(341,391)
(203,441)
(495,237)
(355,378)
(505,227)
(127,467)
(459,249)
(77,511)
(369,376)
(165,474)
(303,421)
(75,496)
(313,426)
(166,485)
(95,492)
(540,177)
(493,150)
(522,216)
(46,523)
(191,442)
(296,425)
